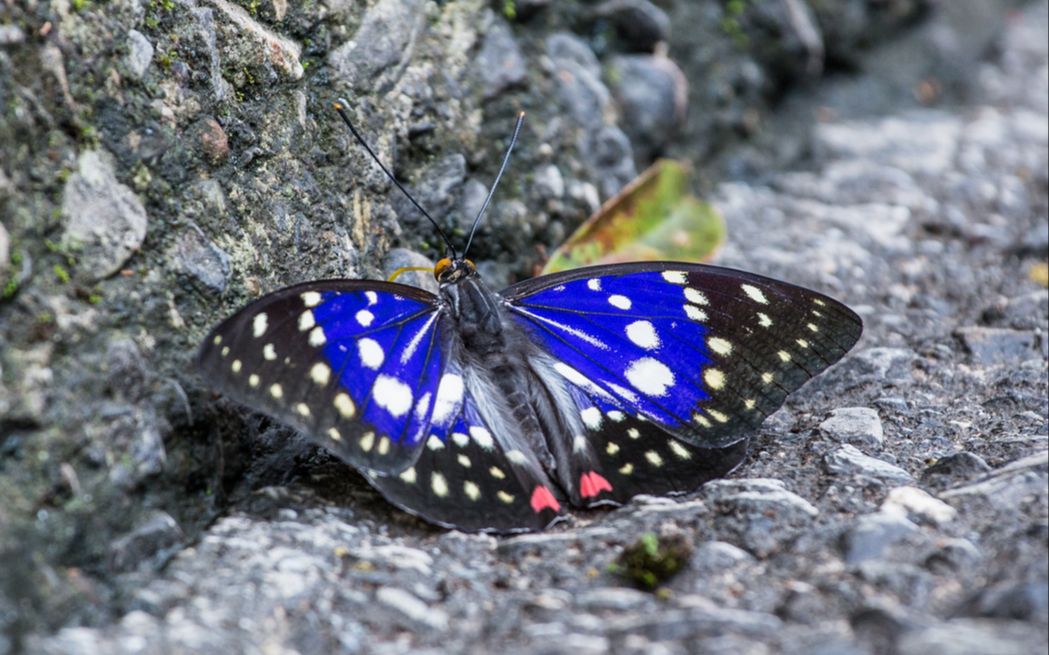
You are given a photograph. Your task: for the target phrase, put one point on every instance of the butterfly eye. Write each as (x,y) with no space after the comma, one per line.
(442,267)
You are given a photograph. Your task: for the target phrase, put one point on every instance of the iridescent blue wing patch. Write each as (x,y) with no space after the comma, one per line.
(702,352)
(353,364)
(471,475)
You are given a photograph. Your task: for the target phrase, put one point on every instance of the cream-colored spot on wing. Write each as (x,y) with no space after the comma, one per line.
(472,491)
(269,353)
(695,313)
(253,380)
(680,451)
(334,434)
(463,460)
(720,346)
(384,446)
(438,484)
(306,321)
(302,409)
(612,448)
(626,469)
(259,324)
(784,356)
(764,320)
(235,366)
(344,405)
(408,475)
(276,391)
(320,373)
(317,337)
(653,458)
(714,378)
(367,441)
(497,473)
(310,298)
(718,416)
(505,497)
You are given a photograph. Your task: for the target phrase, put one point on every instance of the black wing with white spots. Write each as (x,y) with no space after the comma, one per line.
(354,365)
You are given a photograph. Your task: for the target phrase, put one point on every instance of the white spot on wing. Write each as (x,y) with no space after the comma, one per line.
(696,296)
(259,324)
(320,373)
(516,457)
(594,284)
(472,491)
(653,458)
(695,313)
(720,346)
(460,439)
(754,294)
(675,277)
(408,475)
(365,318)
(764,320)
(433,443)
(591,418)
(392,395)
(482,437)
(643,334)
(367,441)
(680,451)
(306,321)
(449,395)
(371,353)
(372,297)
(579,444)
(276,391)
(311,298)
(616,416)
(650,376)
(620,301)
(317,337)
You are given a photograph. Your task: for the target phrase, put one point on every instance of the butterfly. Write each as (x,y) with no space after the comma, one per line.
(497,411)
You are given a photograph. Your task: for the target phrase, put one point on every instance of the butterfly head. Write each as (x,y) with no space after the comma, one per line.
(451,269)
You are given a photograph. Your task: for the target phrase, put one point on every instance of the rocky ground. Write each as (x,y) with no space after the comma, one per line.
(163,162)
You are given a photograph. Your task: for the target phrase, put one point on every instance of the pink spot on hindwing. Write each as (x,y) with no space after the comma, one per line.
(543,499)
(592,483)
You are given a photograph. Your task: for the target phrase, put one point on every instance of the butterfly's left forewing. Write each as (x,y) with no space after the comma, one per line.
(353,364)
(700,352)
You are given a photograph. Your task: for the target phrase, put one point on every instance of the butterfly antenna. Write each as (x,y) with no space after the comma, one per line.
(491,192)
(340,106)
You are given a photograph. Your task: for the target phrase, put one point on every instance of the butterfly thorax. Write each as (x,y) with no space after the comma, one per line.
(477,313)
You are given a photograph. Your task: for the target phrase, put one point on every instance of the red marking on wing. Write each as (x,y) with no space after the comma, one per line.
(591,484)
(543,499)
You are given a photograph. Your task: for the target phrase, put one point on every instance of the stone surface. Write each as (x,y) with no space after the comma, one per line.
(105,220)
(848,460)
(140,54)
(854,425)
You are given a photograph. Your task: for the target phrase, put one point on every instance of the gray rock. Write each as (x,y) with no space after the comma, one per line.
(613,598)
(998,346)
(854,425)
(11,34)
(382,45)
(499,64)
(871,535)
(760,513)
(194,255)
(877,365)
(719,556)
(973,637)
(5,249)
(105,220)
(577,75)
(918,505)
(640,24)
(1007,488)
(848,460)
(1021,600)
(157,533)
(652,93)
(955,468)
(248,43)
(612,158)
(682,625)
(953,555)
(140,54)
(1024,312)
(436,187)
(548,182)
(416,612)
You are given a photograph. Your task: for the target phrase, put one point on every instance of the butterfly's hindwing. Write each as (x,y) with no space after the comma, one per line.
(354,365)
(472,475)
(703,352)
